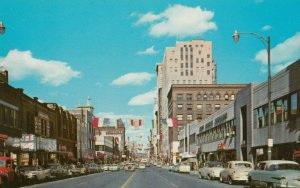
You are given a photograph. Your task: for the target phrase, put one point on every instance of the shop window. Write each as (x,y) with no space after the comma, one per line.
(285,109)
(294,105)
(260,113)
(278,109)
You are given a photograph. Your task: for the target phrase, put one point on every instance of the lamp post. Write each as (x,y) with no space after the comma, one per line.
(2,28)
(267,41)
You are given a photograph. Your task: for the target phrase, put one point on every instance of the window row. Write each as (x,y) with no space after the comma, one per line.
(217,133)
(199,97)
(282,109)
(208,107)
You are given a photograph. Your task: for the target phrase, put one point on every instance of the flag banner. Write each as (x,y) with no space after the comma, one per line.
(163,121)
(136,123)
(96,122)
(174,121)
(169,122)
(106,121)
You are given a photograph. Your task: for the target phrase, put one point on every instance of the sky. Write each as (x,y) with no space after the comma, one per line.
(107,50)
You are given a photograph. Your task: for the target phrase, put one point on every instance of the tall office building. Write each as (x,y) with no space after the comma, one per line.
(186,63)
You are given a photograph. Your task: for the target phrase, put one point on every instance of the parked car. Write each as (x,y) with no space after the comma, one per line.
(82,169)
(92,168)
(33,174)
(184,167)
(114,167)
(7,176)
(236,171)
(275,173)
(211,170)
(73,170)
(106,167)
(57,171)
(129,167)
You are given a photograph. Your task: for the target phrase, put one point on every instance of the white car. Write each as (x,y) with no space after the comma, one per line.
(236,171)
(142,166)
(211,170)
(184,168)
(105,168)
(275,173)
(114,167)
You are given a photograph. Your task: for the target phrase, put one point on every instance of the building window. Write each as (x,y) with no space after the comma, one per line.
(217,107)
(198,97)
(199,52)
(179,107)
(226,97)
(199,106)
(278,109)
(202,60)
(294,104)
(199,117)
(179,97)
(189,97)
(189,107)
(186,65)
(208,55)
(211,97)
(217,97)
(285,109)
(179,117)
(232,97)
(208,72)
(181,73)
(197,60)
(186,72)
(191,65)
(181,65)
(189,117)
(208,107)
(205,97)
(208,64)
(191,72)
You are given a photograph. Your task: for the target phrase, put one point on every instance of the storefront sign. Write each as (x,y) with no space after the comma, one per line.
(28,142)
(3,136)
(47,144)
(201,129)
(14,142)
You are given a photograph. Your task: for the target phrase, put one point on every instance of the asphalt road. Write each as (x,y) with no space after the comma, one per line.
(151,177)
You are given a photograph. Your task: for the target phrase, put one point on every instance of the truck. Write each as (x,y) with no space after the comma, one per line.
(7,173)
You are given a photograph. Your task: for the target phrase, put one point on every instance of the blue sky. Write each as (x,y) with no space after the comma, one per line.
(67,51)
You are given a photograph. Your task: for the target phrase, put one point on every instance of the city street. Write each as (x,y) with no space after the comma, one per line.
(149,177)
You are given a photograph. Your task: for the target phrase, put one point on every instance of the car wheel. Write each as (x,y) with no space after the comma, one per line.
(200,176)
(230,181)
(221,179)
(209,177)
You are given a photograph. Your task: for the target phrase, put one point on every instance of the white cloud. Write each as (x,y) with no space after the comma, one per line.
(282,54)
(266,28)
(21,64)
(148,51)
(133,79)
(143,99)
(179,20)
(279,67)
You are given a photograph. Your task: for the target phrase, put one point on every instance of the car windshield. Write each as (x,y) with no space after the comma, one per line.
(286,166)
(215,165)
(242,165)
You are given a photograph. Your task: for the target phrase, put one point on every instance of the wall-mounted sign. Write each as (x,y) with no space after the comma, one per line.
(221,119)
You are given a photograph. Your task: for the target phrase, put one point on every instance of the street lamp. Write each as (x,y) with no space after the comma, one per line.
(2,28)
(236,37)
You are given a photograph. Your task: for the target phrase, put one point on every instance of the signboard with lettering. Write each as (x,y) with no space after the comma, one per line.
(209,125)
(221,119)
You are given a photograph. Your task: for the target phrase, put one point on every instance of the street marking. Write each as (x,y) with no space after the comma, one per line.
(125,185)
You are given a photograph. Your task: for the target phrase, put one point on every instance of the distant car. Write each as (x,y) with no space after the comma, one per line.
(211,170)
(142,166)
(105,167)
(114,167)
(73,170)
(275,173)
(57,171)
(129,167)
(184,167)
(236,171)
